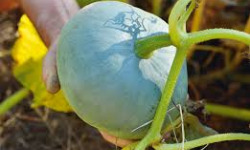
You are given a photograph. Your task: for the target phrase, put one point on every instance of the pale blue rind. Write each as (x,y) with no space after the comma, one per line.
(106,84)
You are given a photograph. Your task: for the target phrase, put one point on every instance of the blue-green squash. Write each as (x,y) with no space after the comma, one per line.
(106,84)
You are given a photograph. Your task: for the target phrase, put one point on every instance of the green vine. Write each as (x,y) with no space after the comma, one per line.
(227,111)
(204,141)
(209,34)
(183,41)
(146,46)
(11,101)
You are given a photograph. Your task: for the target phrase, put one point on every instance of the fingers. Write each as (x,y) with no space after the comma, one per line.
(50,76)
(114,140)
(49,16)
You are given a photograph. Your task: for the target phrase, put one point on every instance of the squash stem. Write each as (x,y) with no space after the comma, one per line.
(153,134)
(178,17)
(175,30)
(145,47)
(183,19)
(178,39)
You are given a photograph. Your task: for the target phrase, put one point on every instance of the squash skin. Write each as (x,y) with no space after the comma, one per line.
(104,81)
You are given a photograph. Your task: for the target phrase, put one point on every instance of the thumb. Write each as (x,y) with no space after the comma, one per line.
(114,140)
(50,76)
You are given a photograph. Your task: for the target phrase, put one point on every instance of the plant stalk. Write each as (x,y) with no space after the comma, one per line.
(182,41)
(226,111)
(174,30)
(145,47)
(204,141)
(209,34)
(186,15)
(153,134)
(13,100)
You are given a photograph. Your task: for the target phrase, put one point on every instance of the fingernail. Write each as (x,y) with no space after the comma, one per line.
(52,84)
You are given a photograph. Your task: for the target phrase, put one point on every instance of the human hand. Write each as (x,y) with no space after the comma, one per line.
(114,140)
(49,16)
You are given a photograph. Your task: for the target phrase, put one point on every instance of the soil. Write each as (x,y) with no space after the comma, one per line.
(23,128)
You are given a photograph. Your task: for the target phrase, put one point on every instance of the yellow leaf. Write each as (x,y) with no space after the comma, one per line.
(28,45)
(28,53)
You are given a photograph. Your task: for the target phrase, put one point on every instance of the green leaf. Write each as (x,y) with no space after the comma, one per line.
(194,129)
